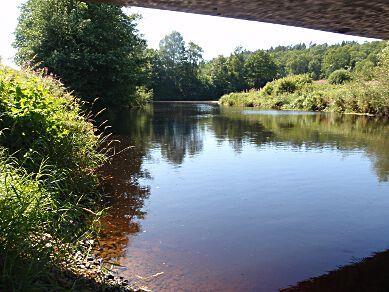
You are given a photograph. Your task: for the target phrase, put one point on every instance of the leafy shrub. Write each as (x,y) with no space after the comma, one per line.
(142,97)
(243,99)
(268,88)
(339,77)
(47,183)
(43,122)
(287,84)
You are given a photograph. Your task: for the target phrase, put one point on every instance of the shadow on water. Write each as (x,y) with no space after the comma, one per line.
(178,131)
(125,199)
(370,274)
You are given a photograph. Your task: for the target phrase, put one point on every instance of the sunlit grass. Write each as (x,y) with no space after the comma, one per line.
(48,187)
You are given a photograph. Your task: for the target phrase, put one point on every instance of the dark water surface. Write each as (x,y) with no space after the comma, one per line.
(221,199)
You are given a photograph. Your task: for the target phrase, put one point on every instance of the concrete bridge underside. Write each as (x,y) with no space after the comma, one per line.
(369,18)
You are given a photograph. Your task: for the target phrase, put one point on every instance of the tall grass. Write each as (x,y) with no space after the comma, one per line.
(48,185)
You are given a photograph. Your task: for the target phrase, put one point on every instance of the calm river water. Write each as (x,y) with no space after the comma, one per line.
(220,199)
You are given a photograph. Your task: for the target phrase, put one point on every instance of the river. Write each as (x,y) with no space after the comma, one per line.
(225,199)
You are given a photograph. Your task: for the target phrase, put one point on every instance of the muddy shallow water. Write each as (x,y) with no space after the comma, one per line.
(219,199)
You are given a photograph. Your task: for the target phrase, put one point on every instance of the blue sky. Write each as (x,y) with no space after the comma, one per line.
(216,35)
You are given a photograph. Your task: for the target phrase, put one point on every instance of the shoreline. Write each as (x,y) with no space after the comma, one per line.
(186,101)
(259,108)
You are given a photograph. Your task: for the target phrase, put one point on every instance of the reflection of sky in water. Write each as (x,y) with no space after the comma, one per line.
(275,112)
(253,204)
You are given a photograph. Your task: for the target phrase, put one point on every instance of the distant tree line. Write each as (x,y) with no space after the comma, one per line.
(188,76)
(96,50)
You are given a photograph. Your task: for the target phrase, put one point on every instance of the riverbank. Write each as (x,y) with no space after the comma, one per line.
(358,94)
(49,189)
(187,101)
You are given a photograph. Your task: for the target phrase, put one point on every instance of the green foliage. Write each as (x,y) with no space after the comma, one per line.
(321,60)
(179,72)
(39,226)
(299,93)
(339,77)
(42,122)
(291,83)
(260,68)
(241,99)
(365,70)
(336,58)
(175,69)
(23,205)
(94,48)
(286,85)
(297,63)
(47,181)
(142,97)
(244,70)
(25,214)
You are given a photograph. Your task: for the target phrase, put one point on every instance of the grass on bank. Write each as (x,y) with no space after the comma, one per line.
(48,154)
(348,93)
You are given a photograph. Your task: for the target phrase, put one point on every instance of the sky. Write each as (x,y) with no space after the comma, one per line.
(216,35)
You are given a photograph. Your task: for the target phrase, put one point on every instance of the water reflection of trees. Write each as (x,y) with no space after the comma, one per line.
(179,129)
(313,131)
(239,131)
(176,129)
(125,199)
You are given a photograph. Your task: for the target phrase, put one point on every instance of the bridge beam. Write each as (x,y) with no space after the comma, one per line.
(368,18)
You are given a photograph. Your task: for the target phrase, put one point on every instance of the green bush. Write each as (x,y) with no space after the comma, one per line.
(242,99)
(142,97)
(339,77)
(48,153)
(287,84)
(43,122)
(268,88)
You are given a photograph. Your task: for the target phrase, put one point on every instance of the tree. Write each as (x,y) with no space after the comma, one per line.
(314,68)
(297,63)
(237,70)
(219,77)
(336,58)
(261,69)
(94,48)
(172,49)
(176,69)
(195,55)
